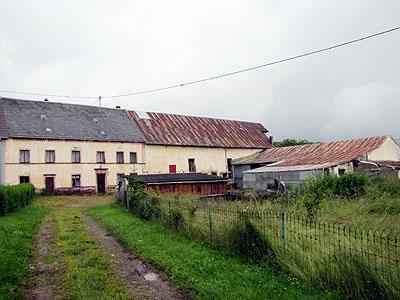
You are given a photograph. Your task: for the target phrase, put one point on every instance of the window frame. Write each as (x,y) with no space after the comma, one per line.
(73,156)
(133,161)
(101,154)
(25,161)
(73,177)
(192,165)
(50,152)
(29,179)
(118,157)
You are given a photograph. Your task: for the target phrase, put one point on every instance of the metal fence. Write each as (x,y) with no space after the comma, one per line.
(313,245)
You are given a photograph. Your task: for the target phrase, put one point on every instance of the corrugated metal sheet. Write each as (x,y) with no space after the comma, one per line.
(330,153)
(269,169)
(170,129)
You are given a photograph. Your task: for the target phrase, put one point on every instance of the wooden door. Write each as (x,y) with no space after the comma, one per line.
(101,183)
(49,182)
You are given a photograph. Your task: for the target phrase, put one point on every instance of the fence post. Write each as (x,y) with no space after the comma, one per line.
(210,223)
(283,230)
(169,212)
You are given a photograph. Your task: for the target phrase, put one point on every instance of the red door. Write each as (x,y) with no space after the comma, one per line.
(49,182)
(172,169)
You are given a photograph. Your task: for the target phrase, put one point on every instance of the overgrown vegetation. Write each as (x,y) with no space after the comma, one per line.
(327,186)
(207,273)
(336,210)
(17,232)
(15,197)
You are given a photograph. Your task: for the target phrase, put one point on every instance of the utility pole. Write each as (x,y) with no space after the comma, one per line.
(100,103)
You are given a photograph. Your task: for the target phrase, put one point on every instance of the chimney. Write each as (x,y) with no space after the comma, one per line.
(271,139)
(46,100)
(118,107)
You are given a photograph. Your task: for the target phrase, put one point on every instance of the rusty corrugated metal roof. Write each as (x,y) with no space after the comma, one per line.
(327,154)
(171,129)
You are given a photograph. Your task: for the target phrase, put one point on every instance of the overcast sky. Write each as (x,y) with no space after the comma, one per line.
(112,47)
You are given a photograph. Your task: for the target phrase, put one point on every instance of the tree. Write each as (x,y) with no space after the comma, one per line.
(292,142)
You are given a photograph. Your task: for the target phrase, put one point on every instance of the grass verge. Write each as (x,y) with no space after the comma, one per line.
(86,272)
(17,232)
(205,272)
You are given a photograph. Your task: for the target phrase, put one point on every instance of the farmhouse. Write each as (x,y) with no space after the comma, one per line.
(65,147)
(372,156)
(68,148)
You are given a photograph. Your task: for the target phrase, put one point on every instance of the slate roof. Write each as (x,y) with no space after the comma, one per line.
(179,130)
(319,154)
(50,120)
(179,178)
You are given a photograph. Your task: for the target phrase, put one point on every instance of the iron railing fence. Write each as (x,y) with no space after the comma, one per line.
(312,243)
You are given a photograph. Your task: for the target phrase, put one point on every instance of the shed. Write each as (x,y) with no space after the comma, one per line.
(185,183)
(295,164)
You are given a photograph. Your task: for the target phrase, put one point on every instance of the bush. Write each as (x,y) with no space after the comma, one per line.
(350,185)
(177,218)
(382,185)
(15,197)
(327,186)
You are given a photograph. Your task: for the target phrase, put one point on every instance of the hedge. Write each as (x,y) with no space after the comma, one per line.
(15,197)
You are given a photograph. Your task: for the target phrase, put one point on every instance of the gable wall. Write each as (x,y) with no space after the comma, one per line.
(389,150)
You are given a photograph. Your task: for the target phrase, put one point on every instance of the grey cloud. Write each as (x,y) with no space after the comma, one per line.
(109,47)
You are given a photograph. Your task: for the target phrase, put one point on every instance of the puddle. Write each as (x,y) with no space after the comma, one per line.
(151,276)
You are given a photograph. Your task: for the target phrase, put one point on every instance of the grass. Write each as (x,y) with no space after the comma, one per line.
(17,232)
(84,269)
(205,272)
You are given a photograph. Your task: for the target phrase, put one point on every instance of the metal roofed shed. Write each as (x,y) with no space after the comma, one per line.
(185,183)
(295,164)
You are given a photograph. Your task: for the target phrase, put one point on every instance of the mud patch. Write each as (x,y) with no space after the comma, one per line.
(142,279)
(44,284)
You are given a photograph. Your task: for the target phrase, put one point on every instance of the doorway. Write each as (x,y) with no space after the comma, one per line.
(101,183)
(49,183)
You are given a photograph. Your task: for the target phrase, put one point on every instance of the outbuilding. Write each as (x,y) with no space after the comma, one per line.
(295,164)
(186,183)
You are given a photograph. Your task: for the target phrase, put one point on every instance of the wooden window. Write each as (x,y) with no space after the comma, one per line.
(24,156)
(192,165)
(23,179)
(172,169)
(100,157)
(50,156)
(120,157)
(76,180)
(133,157)
(76,157)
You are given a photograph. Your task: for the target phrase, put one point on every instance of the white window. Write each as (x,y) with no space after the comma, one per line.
(101,157)
(24,156)
(76,156)
(50,157)
(76,180)
(120,157)
(133,157)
